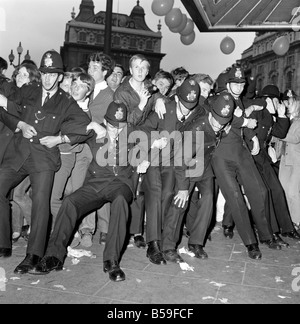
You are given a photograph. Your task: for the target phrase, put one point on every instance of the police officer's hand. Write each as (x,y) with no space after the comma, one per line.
(160,108)
(3,102)
(181,198)
(28,131)
(281,109)
(238,112)
(50,141)
(99,130)
(251,123)
(256,147)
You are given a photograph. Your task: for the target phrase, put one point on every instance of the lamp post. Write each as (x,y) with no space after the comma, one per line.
(108,27)
(11,56)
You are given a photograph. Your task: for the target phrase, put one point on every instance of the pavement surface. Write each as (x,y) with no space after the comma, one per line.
(228,276)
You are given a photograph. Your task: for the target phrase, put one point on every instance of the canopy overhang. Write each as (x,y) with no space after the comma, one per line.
(244,15)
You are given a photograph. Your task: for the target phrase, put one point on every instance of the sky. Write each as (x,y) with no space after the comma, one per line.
(40,26)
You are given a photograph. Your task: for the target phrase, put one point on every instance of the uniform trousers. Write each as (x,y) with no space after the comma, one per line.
(229,174)
(280,212)
(200,211)
(158,186)
(82,202)
(41,184)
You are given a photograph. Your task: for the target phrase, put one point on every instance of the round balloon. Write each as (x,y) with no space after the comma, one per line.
(181,26)
(189,27)
(162,7)
(188,39)
(174,18)
(281,45)
(227,45)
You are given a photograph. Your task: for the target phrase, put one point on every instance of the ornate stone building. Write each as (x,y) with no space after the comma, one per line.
(85,34)
(262,63)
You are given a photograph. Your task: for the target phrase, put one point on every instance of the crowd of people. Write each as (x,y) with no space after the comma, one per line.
(142,159)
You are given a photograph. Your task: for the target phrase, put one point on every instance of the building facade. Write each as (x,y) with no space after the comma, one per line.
(85,34)
(261,62)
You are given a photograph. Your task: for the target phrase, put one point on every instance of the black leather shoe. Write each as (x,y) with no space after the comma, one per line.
(139,241)
(172,256)
(197,249)
(279,240)
(293,235)
(272,244)
(228,231)
(102,239)
(29,263)
(5,252)
(154,254)
(114,270)
(253,251)
(46,265)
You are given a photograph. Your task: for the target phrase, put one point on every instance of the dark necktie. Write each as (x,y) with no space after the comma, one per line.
(47,98)
(182,119)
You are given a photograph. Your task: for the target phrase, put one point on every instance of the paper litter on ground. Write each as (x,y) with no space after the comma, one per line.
(35,283)
(217,284)
(78,253)
(75,261)
(184,250)
(186,267)
(278,279)
(283,297)
(60,286)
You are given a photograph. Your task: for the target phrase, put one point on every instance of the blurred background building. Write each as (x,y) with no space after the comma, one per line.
(85,34)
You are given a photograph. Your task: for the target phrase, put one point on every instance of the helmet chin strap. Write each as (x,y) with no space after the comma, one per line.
(235,95)
(54,84)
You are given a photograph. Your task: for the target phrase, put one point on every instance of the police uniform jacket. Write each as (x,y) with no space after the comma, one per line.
(109,164)
(165,127)
(60,114)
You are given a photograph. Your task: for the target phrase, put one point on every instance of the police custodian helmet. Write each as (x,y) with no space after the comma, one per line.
(51,62)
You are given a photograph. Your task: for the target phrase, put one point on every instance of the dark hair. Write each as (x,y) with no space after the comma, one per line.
(106,61)
(34,73)
(121,67)
(29,62)
(3,64)
(87,79)
(179,73)
(201,77)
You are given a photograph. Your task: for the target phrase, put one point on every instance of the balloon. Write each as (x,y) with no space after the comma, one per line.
(227,45)
(189,39)
(189,27)
(281,45)
(181,26)
(162,7)
(174,18)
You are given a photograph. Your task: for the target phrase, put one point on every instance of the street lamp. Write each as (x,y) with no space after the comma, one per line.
(11,56)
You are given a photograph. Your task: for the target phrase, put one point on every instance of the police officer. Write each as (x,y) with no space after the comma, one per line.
(109,179)
(199,214)
(234,167)
(272,121)
(53,118)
